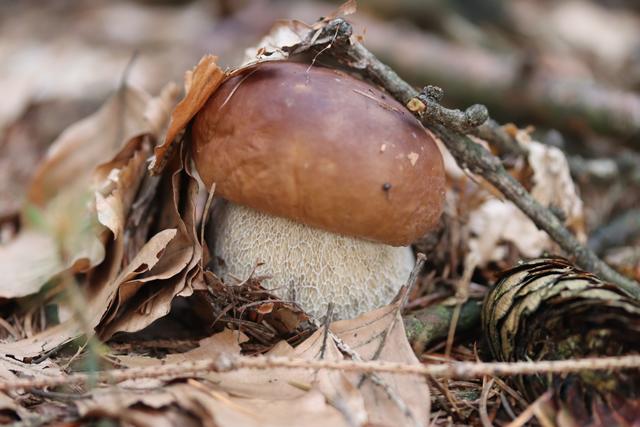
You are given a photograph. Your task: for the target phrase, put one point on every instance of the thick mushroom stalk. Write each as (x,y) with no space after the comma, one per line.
(336,179)
(307,265)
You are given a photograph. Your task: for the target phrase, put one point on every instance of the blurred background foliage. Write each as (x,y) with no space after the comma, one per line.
(570,68)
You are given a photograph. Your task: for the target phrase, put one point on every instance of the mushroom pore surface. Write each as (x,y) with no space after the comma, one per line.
(307,265)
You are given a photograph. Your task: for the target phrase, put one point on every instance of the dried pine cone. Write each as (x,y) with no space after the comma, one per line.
(547,309)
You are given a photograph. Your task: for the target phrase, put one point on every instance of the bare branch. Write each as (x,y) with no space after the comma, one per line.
(228,363)
(467,153)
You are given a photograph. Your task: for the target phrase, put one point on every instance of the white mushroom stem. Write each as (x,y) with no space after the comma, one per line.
(307,265)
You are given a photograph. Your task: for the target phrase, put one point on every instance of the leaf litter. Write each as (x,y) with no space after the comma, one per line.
(83,214)
(126,295)
(276,396)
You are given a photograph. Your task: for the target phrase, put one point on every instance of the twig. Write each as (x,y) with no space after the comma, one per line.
(526,415)
(9,328)
(625,167)
(375,379)
(508,82)
(467,153)
(624,228)
(432,323)
(484,397)
(511,392)
(411,281)
(462,295)
(482,162)
(507,406)
(327,323)
(505,145)
(427,104)
(227,363)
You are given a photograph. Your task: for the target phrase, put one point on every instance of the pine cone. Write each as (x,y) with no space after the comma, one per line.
(547,309)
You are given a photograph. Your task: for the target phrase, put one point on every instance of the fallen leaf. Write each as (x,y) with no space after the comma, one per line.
(108,178)
(12,370)
(61,209)
(495,224)
(247,397)
(369,335)
(349,7)
(171,276)
(553,185)
(41,250)
(283,33)
(8,405)
(227,341)
(200,83)
(275,396)
(117,403)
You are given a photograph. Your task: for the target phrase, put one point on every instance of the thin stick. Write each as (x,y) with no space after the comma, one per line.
(227,363)
(462,295)
(376,379)
(484,397)
(528,413)
(450,126)
(411,281)
(327,324)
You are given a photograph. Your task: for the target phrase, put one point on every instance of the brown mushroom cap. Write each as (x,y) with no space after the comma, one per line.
(322,148)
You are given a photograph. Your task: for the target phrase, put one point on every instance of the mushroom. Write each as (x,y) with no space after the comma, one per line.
(327,181)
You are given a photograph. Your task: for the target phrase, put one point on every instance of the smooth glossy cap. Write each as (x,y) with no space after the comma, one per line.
(322,148)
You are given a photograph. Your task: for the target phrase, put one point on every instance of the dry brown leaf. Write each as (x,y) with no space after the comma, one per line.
(73,157)
(97,304)
(347,8)
(247,397)
(277,396)
(365,335)
(145,261)
(495,224)
(12,370)
(227,341)
(41,250)
(221,409)
(9,405)
(114,166)
(212,407)
(553,185)
(269,48)
(172,276)
(287,33)
(117,403)
(68,198)
(200,83)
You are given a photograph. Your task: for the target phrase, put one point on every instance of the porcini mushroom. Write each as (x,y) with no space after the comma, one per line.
(327,181)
